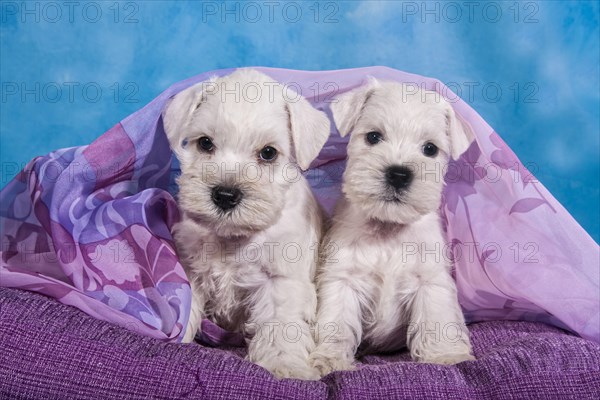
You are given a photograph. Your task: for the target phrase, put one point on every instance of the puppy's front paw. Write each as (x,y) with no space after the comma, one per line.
(291,370)
(307,373)
(326,363)
(449,359)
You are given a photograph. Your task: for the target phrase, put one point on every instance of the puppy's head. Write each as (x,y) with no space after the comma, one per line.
(401,140)
(239,140)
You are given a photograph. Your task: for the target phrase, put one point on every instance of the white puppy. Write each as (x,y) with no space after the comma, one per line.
(385,282)
(250,222)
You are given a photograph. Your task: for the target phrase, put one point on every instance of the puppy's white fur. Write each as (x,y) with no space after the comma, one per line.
(384,281)
(251,268)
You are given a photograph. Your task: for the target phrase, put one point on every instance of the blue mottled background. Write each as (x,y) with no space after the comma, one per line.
(69,71)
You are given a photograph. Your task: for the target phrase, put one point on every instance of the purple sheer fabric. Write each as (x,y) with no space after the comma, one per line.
(90,226)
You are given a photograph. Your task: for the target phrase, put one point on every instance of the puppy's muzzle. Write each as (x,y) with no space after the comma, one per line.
(226,198)
(398,177)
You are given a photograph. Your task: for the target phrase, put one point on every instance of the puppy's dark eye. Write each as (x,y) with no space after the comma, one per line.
(374,138)
(430,149)
(205,144)
(268,153)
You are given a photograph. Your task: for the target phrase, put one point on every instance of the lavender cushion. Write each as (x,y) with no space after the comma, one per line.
(52,351)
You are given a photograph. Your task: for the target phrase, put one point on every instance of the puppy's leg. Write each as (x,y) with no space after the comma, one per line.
(437,332)
(196,312)
(343,300)
(339,328)
(282,339)
(191,239)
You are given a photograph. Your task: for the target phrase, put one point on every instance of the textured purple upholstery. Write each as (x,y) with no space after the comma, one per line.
(49,350)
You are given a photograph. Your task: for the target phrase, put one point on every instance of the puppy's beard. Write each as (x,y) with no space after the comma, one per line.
(259,208)
(395,212)
(227,225)
(380,203)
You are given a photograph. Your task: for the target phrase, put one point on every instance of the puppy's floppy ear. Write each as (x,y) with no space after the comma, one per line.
(347,107)
(309,129)
(460,136)
(178,112)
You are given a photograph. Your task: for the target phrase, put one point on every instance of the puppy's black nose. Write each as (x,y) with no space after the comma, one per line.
(226,198)
(398,177)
